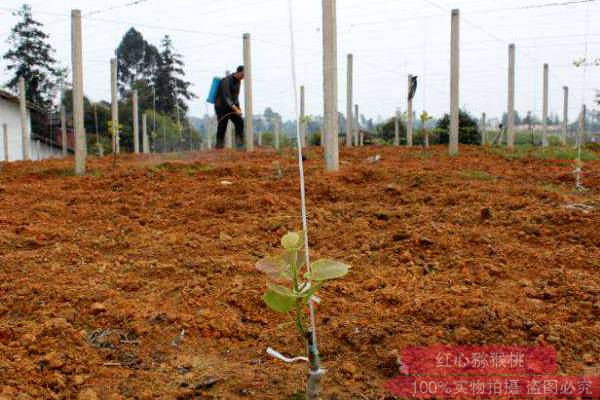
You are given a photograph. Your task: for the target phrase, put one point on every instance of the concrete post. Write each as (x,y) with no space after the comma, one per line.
(229,136)
(145,139)
(5,141)
(78,122)
(63,131)
(136,123)
(582,123)
(25,136)
(98,144)
(248,122)
(330,86)
(259,139)
(303,141)
(114,107)
(397,128)
(409,116)
(510,125)
(483,127)
(545,141)
(357,140)
(454,82)
(565,122)
(349,100)
(276,133)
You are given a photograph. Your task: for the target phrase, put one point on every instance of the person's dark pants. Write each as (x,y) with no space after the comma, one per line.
(224,117)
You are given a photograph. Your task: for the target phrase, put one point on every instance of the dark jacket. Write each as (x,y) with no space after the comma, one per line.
(228,94)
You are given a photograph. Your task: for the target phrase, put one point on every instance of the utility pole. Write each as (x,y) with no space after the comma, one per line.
(78,123)
(349,100)
(545,141)
(454,81)
(248,122)
(145,139)
(5,141)
(510,133)
(565,122)
(304,142)
(136,123)
(25,136)
(397,129)
(409,115)
(63,130)
(114,107)
(330,86)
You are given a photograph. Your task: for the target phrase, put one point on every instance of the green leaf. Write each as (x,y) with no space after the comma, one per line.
(323,270)
(292,240)
(278,302)
(280,289)
(275,267)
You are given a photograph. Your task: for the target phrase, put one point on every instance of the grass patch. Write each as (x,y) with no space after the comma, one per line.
(476,175)
(543,153)
(55,173)
(549,187)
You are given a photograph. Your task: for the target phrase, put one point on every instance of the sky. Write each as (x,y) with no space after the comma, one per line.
(389,39)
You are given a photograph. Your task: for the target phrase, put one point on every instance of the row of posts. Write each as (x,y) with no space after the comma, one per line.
(329,137)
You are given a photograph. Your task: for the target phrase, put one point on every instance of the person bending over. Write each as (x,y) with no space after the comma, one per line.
(227,107)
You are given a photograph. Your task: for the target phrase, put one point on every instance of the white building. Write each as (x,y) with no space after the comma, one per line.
(10,115)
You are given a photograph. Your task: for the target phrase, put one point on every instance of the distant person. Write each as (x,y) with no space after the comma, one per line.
(227,107)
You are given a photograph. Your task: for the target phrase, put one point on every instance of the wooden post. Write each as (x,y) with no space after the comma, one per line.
(565,122)
(5,141)
(303,140)
(63,130)
(136,123)
(145,139)
(397,128)
(349,100)
(248,122)
(454,82)
(78,122)
(330,86)
(409,116)
(25,136)
(545,141)
(510,125)
(114,107)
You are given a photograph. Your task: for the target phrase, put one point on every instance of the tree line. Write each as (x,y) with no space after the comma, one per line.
(157,73)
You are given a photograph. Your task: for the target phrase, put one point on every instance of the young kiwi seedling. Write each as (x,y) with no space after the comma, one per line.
(288,289)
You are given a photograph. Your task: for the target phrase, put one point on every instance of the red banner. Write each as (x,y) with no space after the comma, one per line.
(429,387)
(479,360)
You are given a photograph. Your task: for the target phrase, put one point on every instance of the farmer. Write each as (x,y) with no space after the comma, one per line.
(227,107)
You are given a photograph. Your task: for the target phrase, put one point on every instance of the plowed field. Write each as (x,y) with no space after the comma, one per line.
(140,283)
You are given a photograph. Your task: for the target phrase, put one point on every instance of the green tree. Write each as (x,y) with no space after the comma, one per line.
(468,131)
(31,57)
(387,130)
(171,87)
(137,62)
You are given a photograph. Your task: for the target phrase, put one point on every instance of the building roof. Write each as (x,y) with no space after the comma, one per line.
(11,97)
